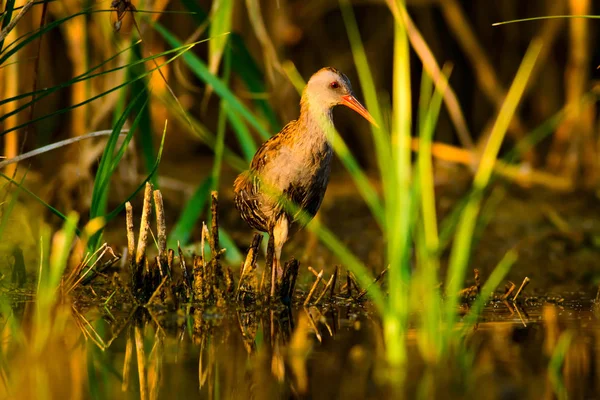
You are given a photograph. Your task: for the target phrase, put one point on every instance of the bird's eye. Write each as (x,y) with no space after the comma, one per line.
(334,85)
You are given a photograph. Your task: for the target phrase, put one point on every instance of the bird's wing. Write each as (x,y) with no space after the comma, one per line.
(247,201)
(250,200)
(268,149)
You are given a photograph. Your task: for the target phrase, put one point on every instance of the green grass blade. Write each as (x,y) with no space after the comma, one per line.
(7,211)
(399,207)
(221,127)
(36,197)
(243,65)
(345,256)
(33,35)
(462,243)
(89,74)
(245,139)
(381,138)
(192,211)
(555,367)
(89,100)
(427,126)
(513,21)
(199,68)
(151,173)
(199,131)
(141,87)
(110,160)
(6,18)
(222,10)
(233,256)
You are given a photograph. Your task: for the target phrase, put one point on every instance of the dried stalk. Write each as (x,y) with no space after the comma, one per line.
(161,225)
(335,276)
(327,286)
(288,281)
(199,278)
(144,225)
(214,238)
(377,279)
(130,233)
(170,259)
(313,288)
(523,285)
(508,291)
(515,173)
(16,19)
(187,283)
(316,274)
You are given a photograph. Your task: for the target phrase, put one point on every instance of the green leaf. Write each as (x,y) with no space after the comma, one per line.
(141,86)
(110,160)
(178,52)
(199,68)
(222,11)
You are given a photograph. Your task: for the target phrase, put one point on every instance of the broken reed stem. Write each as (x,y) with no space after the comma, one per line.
(187,283)
(348,285)
(199,275)
(508,291)
(161,225)
(377,279)
(313,288)
(335,276)
(269,267)
(315,273)
(170,258)
(285,289)
(327,286)
(202,242)
(214,237)
(157,291)
(144,225)
(130,233)
(523,285)
(160,266)
(354,282)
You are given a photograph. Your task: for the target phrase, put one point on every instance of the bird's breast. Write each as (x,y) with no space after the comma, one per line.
(300,166)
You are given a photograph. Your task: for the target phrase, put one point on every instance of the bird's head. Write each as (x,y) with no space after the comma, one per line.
(328,88)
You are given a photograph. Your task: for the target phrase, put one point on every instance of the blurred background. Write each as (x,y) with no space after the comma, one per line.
(268,43)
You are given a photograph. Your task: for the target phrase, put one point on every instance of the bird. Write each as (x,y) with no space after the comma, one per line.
(295,164)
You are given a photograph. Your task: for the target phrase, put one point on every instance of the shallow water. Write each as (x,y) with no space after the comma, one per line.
(97,344)
(332,352)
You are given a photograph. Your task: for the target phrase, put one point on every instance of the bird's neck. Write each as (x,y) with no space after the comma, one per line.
(316,120)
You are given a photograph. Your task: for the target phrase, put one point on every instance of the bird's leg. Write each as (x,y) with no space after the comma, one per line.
(280,236)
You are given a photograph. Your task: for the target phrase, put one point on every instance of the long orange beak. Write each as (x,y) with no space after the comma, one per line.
(351,102)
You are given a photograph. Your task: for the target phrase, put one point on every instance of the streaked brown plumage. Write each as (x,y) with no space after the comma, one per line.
(295,162)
